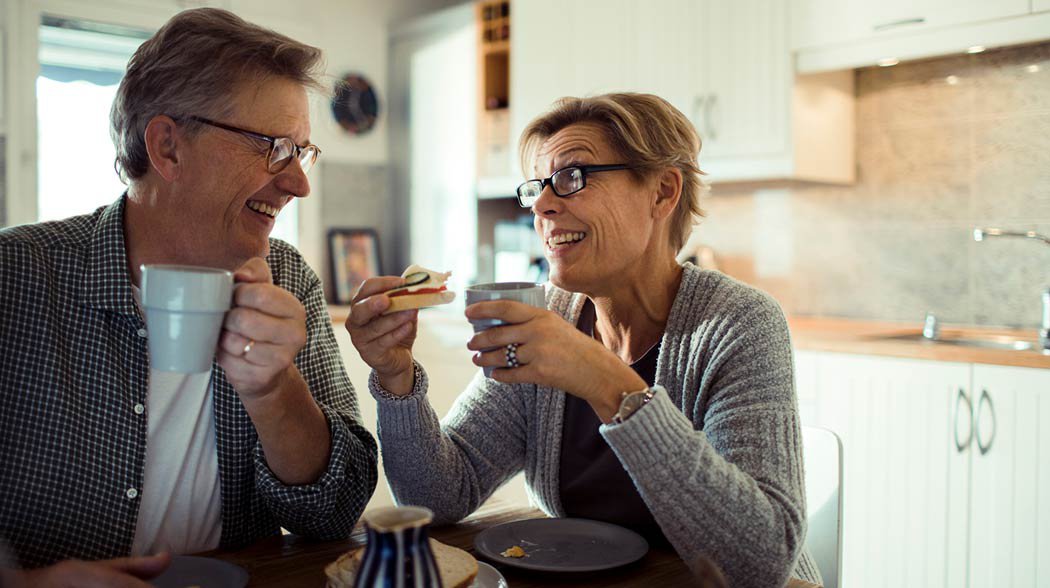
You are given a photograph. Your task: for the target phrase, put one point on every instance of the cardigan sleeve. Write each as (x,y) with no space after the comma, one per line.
(732,491)
(450,467)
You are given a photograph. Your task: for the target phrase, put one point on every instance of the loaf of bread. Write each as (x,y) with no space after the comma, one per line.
(456,567)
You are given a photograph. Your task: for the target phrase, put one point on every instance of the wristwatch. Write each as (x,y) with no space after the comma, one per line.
(630,402)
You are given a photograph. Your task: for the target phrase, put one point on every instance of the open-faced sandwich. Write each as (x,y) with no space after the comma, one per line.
(422,288)
(456,567)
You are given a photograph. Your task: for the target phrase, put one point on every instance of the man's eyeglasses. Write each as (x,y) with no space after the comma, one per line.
(565,182)
(282,149)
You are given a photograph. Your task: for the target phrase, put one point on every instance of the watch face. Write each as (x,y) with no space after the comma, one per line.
(354,104)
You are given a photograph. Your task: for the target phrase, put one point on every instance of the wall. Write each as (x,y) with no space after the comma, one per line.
(942,145)
(3,184)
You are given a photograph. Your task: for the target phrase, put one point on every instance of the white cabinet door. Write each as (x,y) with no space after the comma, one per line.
(540,67)
(668,53)
(567,49)
(600,45)
(905,482)
(901,16)
(822,23)
(1010,514)
(749,80)
(816,23)
(1040,5)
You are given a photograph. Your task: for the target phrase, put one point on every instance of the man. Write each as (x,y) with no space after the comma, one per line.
(101,456)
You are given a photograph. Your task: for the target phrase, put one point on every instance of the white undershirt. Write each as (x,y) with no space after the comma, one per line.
(180,508)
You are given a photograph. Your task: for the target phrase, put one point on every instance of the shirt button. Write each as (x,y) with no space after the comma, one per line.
(139,409)
(132,493)
(142,332)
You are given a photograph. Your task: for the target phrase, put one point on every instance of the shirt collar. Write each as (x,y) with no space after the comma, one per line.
(106,283)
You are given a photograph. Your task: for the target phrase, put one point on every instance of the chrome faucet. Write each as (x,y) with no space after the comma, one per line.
(980,234)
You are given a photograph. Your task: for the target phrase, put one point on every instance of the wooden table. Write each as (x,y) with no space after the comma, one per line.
(293,562)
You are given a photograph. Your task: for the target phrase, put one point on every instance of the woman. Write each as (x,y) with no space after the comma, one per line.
(648,394)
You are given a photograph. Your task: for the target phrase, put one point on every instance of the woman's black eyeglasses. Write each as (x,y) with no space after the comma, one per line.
(282,149)
(564,182)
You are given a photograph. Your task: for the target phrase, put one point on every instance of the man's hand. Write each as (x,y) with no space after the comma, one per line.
(262,334)
(125,572)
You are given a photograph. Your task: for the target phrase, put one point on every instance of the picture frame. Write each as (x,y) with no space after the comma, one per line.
(353,257)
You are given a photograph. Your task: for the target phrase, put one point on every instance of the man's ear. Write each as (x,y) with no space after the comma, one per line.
(162,142)
(668,192)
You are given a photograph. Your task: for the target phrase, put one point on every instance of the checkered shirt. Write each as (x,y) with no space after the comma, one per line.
(73,367)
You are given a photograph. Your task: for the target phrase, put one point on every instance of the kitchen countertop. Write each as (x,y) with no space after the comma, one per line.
(877,338)
(861,338)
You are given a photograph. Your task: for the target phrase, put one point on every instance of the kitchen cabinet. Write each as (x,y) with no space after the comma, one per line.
(1010,481)
(825,22)
(1040,5)
(853,33)
(904,483)
(726,65)
(943,481)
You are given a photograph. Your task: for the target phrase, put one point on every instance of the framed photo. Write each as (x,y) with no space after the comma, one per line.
(353,258)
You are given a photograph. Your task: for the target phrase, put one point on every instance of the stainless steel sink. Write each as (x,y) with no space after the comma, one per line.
(984,341)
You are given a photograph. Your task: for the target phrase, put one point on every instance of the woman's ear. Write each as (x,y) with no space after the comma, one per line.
(162,141)
(668,192)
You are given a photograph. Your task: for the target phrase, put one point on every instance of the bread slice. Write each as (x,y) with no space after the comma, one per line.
(456,567)
(410,301)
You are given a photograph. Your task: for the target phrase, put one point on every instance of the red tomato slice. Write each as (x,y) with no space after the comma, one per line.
(420,291)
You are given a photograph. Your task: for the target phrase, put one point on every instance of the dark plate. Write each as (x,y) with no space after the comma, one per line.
(562,545)
(189,570)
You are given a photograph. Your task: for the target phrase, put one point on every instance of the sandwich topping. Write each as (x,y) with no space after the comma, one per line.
(420,280)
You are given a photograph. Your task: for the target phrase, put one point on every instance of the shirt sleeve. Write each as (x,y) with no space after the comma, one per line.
(329,507)
(450,466)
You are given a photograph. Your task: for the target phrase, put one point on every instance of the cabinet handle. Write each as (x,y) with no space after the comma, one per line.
(961,446)
(991,408)
(710,117)
(898,23)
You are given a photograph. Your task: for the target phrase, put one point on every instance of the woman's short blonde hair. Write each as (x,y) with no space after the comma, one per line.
(645,130)
(191,67)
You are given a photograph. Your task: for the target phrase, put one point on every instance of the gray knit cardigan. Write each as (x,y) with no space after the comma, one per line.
(718,459)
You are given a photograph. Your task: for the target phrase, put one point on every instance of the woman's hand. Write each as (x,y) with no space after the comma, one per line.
(384,342)
(552,352)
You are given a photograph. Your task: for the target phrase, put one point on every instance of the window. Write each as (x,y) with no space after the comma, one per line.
(81,65)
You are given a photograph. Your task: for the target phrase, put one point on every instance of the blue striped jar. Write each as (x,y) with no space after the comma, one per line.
(398,553)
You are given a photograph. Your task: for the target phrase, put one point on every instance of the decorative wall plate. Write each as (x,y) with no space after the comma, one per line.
(354,104)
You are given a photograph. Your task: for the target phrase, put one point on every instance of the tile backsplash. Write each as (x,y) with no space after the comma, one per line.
(942,146)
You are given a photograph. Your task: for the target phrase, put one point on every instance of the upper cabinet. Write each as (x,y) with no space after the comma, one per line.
(726,65)
(1040,5)
(830,34)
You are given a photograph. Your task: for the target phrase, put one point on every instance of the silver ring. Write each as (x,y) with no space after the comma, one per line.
(248,347)
(512,356)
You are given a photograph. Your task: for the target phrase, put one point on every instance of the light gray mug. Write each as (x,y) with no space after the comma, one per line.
(526,292)
(184,307)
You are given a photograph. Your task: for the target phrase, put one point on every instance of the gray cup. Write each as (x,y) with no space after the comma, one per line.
(184,307)
(526,292)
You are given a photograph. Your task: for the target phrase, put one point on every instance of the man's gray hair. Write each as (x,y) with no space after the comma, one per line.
(191,67)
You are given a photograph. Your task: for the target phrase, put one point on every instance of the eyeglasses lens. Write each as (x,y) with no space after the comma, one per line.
(567,181)
(280,154)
